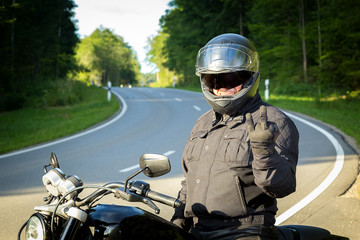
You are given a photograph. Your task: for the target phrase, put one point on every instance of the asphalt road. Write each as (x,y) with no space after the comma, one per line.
(152,121)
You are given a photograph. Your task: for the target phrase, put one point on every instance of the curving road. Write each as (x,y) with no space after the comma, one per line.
(152,121)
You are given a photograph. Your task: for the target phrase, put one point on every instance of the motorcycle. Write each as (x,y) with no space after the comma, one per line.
(66,216)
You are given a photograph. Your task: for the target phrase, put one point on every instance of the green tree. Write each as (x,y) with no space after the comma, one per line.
(274,27)
(104,56)
(340,25)
(190,24)
(148,78)
(155,54)
(184,24)
(304,46)
(36,46)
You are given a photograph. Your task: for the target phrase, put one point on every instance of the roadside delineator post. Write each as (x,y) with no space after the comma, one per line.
(267,89)
(109,91)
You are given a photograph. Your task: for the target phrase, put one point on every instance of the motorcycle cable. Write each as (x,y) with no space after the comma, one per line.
(24,225)
(98,198)
(62,199)
(91,198)
(21,229)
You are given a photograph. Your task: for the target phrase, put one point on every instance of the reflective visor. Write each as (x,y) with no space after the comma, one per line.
(222,58)
(225,80)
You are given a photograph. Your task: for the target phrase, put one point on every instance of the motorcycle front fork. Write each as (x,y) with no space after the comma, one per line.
(71,227)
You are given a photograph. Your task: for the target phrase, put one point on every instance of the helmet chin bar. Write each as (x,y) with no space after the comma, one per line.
(231,104)
(223,102)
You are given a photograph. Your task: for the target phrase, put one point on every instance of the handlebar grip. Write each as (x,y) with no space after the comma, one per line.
(159,197)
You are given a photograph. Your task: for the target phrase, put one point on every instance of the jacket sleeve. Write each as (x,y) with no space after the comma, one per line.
(179,218)
(275,174)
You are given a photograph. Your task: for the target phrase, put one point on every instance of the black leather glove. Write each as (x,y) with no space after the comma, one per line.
(263,135)
(184,223)
(180,220)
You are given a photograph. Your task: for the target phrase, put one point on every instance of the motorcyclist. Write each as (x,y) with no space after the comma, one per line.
(234,171)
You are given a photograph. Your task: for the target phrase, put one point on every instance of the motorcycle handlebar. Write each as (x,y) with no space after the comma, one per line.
(159,197)
(89,199)
(156,196)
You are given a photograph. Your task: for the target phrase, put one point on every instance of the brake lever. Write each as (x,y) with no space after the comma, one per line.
(133,197)
(151,204)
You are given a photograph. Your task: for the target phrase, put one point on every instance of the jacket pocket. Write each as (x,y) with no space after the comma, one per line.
(195,146)
(225,193)
(237,148)
(241,195)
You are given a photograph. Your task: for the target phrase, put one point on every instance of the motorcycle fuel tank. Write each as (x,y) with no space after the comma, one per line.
(113,222)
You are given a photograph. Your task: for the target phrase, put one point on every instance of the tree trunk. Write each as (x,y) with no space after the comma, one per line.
(12,39)
(57,58)
(241,17)
(319,44)
(302,28)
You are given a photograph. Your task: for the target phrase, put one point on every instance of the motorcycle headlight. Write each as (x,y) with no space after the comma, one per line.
(36,228)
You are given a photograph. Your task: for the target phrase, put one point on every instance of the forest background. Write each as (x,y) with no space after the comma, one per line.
(309,50)
(307,47)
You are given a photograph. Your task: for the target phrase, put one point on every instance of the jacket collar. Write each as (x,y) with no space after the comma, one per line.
(238,117)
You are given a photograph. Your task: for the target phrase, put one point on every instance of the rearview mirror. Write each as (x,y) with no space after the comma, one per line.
(156,165)
(54,161)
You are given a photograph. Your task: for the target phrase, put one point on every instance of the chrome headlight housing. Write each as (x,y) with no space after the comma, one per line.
(52,179)
(36,228)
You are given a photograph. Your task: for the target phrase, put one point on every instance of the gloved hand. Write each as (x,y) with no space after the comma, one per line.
(184,223)
(263,136)
(180,222)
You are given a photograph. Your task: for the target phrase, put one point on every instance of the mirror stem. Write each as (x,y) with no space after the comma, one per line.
(133,175)
(45,168)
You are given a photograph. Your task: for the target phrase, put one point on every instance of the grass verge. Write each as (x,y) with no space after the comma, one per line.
(31,126)
(344,114)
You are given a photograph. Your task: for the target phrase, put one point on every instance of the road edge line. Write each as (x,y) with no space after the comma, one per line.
(339,163)
(85,132)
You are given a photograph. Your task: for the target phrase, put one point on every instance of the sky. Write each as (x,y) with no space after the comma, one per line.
(134,20)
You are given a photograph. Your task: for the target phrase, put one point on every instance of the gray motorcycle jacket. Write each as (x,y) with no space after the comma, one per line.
(224,180)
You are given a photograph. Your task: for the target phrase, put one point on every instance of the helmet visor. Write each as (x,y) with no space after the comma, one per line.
(222,58)
(225,80)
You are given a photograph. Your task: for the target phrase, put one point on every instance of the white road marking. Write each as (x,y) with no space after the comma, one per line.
(168,153)
(178,99)
(197,108)
(123,110)
(130,168)
(339,162)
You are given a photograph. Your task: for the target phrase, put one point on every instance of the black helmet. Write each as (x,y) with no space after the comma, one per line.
(228,59)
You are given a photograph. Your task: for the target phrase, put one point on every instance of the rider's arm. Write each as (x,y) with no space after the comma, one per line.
(178,218)
(275,173)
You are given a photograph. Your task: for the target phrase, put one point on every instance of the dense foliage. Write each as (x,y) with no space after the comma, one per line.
(39,54)
(164,76)
(306,46)
(104,56)
(36,44)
